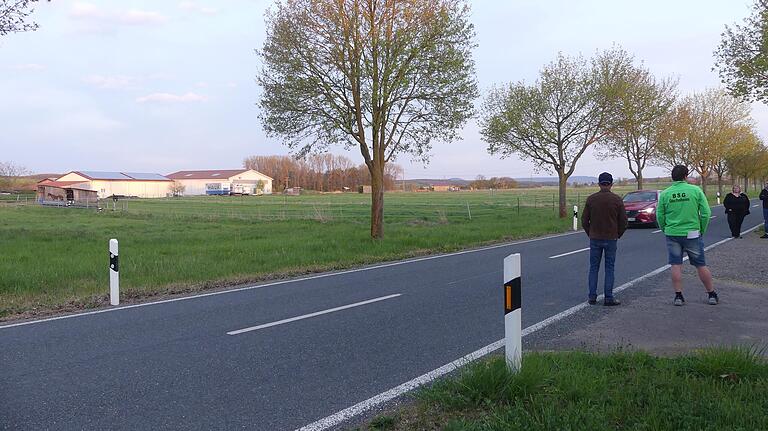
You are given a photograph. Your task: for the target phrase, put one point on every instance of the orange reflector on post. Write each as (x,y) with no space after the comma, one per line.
(508,298)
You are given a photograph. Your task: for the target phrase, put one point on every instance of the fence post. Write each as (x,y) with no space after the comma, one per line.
(718,198)
(575,217)
(469,213)
(513,329)
(518,205)
(114,277)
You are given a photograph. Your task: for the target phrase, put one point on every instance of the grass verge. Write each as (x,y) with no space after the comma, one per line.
(714,389)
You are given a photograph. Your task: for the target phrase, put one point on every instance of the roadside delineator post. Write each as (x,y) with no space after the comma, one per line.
(718,198)
(575,217)
(114,276)
(513,326)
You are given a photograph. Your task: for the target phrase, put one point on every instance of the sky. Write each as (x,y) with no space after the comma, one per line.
(167,85)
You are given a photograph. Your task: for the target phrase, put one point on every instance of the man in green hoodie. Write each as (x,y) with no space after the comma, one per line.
(683,214)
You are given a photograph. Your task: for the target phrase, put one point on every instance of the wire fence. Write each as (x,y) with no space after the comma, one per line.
(327,210)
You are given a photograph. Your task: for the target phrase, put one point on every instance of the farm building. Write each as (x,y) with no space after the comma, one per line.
(142,185)
(223,182)
(51,192)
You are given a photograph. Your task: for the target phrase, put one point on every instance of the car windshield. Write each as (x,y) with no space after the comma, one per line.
(640,197)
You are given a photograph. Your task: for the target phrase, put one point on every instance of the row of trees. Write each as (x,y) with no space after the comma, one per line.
(388,77)
(617,106)
(498,183)
(322,172)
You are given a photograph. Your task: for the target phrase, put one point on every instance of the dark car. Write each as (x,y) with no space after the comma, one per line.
(641,207)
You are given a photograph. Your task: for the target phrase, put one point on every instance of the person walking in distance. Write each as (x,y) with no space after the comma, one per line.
(604,220)
(683,214)
(736,206)
(764,198)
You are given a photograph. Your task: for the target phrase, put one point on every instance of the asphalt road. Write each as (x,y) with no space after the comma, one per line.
(172,365)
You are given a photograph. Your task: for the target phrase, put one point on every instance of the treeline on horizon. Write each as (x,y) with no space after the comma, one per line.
(320,172)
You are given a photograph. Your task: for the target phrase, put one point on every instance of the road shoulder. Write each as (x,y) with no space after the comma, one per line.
(648,321)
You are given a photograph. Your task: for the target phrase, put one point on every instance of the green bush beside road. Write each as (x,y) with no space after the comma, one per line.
(711,389)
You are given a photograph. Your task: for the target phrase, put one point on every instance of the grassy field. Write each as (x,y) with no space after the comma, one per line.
(710,390)
(56,257)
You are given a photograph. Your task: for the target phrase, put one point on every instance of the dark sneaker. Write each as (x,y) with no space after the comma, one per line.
(679,300)
(611,301)
(765,235)
(592,301)
(713,299)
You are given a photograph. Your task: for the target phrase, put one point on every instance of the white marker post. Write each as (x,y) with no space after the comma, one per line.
(114,276)
(575,217)
(718,198)
(513,325)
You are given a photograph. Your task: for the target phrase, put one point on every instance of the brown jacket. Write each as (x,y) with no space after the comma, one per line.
(604,216)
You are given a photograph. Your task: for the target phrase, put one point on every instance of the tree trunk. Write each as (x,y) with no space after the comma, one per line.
(563,182)
(377,200)
(746,183)
(639,178)
(720,183)
(703,183)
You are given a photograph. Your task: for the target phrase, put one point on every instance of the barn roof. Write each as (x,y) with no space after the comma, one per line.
(79,185)
(121,176)
(208,174)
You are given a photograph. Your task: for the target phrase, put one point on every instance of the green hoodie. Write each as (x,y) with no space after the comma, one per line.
(683,208)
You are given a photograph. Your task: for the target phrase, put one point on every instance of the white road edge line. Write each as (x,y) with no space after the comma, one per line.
(755,205)
(656,231)
(712,217)
(569,253)
(317,313)
(350,412)
(293,280)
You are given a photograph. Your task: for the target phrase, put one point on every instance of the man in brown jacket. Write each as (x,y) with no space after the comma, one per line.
(604,220)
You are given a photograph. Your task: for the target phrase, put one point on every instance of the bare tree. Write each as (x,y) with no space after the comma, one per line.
(555,120)
(177,188)
(14,15)
(10,174)
(386,76)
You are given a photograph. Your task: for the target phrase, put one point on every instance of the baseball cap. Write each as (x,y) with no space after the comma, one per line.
(605,178)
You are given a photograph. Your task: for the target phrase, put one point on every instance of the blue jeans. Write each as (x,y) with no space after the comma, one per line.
(765,219)
(596,249)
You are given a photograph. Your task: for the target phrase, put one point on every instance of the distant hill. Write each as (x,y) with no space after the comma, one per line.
(459,182)
(554,180)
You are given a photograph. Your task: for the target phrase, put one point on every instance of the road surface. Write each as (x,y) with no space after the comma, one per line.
(282,355)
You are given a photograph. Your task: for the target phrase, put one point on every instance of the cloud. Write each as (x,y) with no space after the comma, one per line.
(196,7)
(110,82)
(94,14)
(140,17)
(171,98)
(30,67)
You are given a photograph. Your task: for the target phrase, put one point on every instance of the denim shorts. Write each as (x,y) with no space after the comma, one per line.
(694,247)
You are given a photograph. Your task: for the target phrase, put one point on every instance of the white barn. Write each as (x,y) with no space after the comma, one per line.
(142,185)
(223,182)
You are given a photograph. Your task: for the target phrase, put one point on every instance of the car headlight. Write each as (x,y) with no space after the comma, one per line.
(648,210)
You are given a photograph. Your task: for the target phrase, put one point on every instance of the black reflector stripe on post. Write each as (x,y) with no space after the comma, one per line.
(113,265)
(512,294)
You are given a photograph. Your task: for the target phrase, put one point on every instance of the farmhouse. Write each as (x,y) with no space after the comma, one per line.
(105,184)
(51,192)
(223,182)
